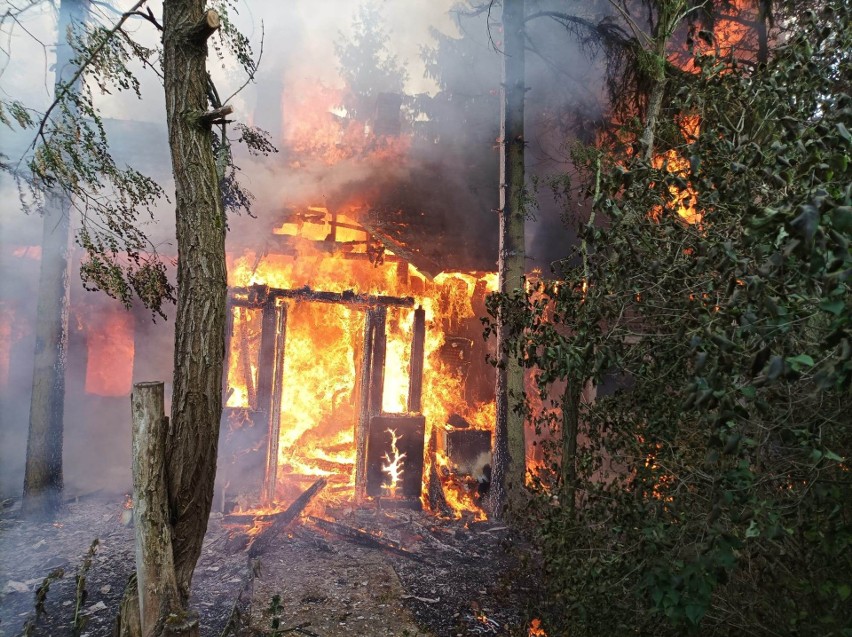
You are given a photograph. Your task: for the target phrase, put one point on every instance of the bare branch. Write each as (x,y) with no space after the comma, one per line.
(66,87)
(251,74)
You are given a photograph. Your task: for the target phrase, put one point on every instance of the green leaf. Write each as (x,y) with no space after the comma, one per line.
(835,307)
(802,360)
(843,592)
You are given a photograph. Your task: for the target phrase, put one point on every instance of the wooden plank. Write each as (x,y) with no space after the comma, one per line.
(264,540)
(377,371)
(265,378)
(364,538)
(256,296)
(418,349)
(363,423)
(274,418)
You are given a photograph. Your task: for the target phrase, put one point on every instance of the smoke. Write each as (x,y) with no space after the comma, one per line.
(443,195)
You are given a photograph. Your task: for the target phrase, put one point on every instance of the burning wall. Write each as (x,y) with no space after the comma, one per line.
(323,379)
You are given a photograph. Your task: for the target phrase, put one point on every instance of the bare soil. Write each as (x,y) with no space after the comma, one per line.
(458,577)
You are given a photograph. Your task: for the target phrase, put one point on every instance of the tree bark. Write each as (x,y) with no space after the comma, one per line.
(570,429)
(508,461)
(43,474)
(155,571)
(201,290)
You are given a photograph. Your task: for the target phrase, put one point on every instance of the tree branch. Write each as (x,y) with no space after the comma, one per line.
(66,86)
(206,27)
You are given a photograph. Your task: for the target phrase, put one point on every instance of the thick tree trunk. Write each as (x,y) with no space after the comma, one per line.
(43,473)
(202,287)
(508,461)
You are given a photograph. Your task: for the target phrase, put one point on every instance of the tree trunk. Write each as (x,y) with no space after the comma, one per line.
(201,287)
(570,429)
(508,461)
(155,571)
(43,474)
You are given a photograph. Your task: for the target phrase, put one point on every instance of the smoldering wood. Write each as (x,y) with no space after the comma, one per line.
(264,540)
(363,538)
(415,385)
(434,488)
(155,572)
(256,296)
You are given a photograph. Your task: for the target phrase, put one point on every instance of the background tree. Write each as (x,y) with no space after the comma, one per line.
(43,474)
(508,462)
(367,67)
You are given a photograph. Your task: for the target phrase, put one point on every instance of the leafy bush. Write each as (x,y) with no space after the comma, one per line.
(710,493)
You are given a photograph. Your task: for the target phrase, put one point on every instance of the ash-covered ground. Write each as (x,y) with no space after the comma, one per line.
(451,577)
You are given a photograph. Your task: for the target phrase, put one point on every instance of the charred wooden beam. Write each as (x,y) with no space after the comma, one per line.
(415,384)
(363,424)
(378,230)
(377,368)
(275,406)
(263,541)
(434,488)
(265,379)
(364,538)
(245,359)
(255,296)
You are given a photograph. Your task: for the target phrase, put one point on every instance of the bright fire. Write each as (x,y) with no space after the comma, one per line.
(394,467)
(324,343)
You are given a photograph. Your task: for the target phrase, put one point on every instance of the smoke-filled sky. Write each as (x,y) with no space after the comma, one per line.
(298,58)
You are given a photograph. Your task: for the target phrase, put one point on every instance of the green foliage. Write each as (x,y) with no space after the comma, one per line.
(713,485)
(71,158)
(79,621)
(366,65)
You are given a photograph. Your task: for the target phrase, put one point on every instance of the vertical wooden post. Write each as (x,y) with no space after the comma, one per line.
(155,571)
(377,376)
(265,379)
(418,344)
(275,406)
(229,335)
(362,426)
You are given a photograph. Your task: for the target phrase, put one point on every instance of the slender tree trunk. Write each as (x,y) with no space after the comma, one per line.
(570,429)
(43,473)
(508,461)
(202,285)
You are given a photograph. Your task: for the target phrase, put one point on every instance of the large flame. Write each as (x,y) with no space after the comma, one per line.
(324,343)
